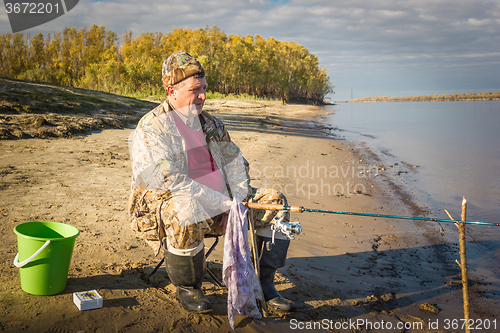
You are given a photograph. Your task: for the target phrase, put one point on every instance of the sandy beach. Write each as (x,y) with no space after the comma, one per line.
(345,273)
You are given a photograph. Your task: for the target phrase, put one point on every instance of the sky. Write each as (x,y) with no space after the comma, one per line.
(369,48)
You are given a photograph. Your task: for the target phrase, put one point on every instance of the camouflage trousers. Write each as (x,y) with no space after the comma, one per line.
(159,218)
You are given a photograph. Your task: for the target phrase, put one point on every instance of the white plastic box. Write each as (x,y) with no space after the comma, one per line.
(87,300)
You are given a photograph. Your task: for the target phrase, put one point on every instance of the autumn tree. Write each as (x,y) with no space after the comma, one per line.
(93,58)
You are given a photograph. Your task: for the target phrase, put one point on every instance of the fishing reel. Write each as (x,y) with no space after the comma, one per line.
(288,229)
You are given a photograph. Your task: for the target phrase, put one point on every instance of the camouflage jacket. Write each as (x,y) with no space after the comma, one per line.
(160,166)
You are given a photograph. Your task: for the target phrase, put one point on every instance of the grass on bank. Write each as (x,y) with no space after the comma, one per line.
(161,95)
(43,110)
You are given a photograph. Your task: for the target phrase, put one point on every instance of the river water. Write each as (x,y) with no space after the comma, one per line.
(456,146)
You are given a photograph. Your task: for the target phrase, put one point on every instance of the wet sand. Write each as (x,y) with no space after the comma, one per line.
(341,271)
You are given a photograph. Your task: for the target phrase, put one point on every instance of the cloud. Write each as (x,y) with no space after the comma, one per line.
(373,45)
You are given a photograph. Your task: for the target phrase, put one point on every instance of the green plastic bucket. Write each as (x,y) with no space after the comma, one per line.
(45,250)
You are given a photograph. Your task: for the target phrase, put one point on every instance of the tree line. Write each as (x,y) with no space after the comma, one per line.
(97,59)
(485,96)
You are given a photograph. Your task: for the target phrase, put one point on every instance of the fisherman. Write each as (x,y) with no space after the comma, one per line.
(184,169)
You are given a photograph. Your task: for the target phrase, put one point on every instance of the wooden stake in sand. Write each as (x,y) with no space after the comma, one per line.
(463,263)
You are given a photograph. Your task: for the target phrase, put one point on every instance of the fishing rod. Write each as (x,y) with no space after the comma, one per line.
(301,209)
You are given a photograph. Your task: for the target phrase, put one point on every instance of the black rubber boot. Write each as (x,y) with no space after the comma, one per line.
(273,257)
(187,274)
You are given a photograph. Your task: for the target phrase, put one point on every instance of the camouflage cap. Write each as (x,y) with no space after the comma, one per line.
(180,66)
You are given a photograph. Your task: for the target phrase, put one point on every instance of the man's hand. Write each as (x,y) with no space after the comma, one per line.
(225,205)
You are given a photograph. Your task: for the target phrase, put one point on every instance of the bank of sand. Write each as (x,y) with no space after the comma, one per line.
(341,269)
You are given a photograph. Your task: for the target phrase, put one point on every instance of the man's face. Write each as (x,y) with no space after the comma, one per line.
(190,97)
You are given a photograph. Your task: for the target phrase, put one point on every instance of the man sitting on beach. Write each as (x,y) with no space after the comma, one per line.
(185,168)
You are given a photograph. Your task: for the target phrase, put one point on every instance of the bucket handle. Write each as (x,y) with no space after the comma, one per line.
(21,264)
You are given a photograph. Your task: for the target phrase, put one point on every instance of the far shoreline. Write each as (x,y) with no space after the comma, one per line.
(464,100)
